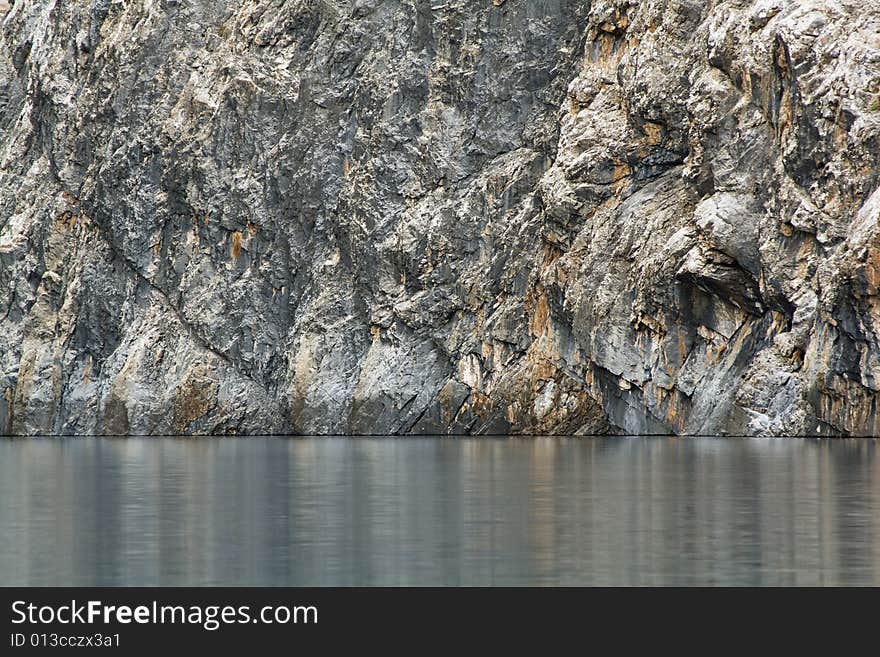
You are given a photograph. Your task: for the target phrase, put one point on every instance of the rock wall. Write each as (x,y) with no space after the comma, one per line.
(410,216)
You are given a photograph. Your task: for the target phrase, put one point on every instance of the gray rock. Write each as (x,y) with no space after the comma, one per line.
(303,216)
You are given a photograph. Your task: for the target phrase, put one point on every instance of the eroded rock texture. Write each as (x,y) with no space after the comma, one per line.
(413,216)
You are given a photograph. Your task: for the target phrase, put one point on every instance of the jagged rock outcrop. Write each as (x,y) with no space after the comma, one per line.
(366,216)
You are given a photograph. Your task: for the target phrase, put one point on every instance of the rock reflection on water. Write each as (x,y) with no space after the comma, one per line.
(439,512)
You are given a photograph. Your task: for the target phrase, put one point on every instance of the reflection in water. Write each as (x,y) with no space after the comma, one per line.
(439,512)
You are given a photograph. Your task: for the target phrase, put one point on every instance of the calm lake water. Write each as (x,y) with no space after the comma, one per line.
(439,512)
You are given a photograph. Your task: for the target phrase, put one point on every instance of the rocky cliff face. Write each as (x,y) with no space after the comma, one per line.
(413,216)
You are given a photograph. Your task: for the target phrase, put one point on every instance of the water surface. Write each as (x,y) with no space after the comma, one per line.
(272,511)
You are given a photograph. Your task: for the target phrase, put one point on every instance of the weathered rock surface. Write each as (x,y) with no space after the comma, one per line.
(410,216)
